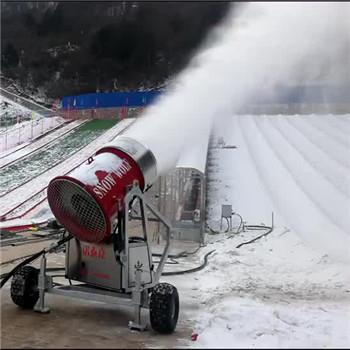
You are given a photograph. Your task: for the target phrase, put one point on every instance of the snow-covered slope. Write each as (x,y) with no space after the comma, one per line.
(32,193)
(292,287)
(31,147)
(25,125)
(297,167)
(10,110)
(274,293)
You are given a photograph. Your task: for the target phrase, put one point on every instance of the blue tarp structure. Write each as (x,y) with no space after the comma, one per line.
(281,94)
(109,100)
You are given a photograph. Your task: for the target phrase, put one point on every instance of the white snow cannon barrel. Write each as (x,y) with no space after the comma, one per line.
(87,200)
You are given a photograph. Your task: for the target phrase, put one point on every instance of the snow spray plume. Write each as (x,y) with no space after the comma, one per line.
(258,48)
(254,50)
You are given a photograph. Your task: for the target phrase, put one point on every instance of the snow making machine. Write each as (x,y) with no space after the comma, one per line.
(111,262)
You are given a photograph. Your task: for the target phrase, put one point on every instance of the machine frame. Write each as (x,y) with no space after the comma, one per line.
(134,294)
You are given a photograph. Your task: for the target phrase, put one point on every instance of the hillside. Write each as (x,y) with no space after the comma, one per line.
(47,46)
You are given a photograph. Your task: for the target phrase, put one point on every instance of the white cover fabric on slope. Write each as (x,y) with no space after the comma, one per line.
(299,174)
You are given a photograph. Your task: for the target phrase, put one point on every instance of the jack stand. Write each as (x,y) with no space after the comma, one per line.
(40,305)
(136,298)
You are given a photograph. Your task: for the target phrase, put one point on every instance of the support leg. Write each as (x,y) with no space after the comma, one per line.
(40,305)
(136,297)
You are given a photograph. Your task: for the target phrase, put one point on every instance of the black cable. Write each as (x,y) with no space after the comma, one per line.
(240,227)
(16,259)
(7,276)
(182,254)
(179,255)
(228,225)
(243,227)
(32,258)
(59,243)
(47,269)
(257,227)
(211,230)
(185,254)
(195,269)
(34,240)
(217,232)
(171,262)
(14,270)
(241,224)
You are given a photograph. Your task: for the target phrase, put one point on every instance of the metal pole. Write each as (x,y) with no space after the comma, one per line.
(40,305)
(159,203)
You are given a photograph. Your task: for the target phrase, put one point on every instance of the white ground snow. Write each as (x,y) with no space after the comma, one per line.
(274,293)
(291,288)
(24,131)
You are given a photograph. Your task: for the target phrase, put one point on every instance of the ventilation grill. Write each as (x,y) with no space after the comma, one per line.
(77,210)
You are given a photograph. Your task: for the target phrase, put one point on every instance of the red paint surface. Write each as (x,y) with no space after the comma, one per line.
(110,203)
(194,336)
(93,252)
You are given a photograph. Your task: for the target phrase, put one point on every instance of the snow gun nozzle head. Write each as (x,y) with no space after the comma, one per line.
(87,200)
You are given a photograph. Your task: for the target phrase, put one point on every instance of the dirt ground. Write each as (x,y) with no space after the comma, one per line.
(78,324)
(74,323)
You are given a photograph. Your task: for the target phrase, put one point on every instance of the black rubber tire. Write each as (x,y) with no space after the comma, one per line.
(164,308)
(24,287)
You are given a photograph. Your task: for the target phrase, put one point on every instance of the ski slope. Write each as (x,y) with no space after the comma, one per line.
(9,110)
(292,287)
(31,147)
(298,168)
(33,193)
(14,132)
(34,164)
(20,101)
